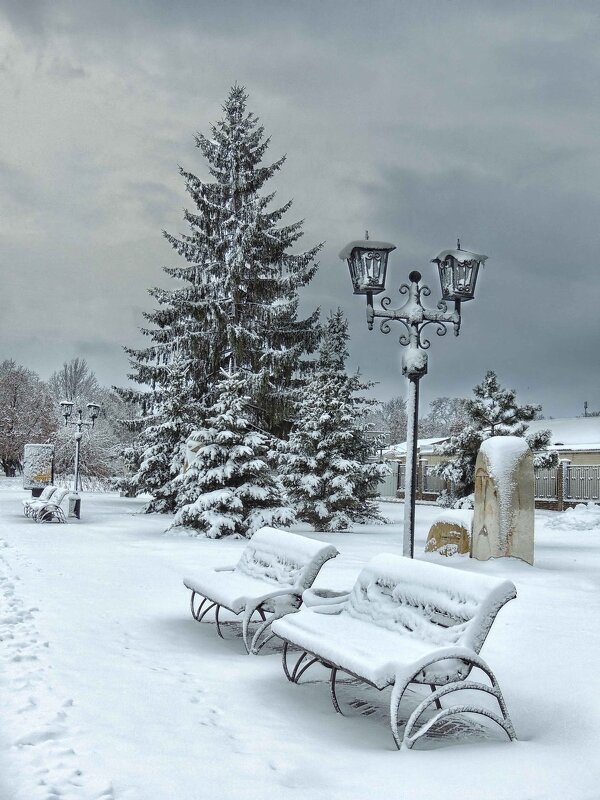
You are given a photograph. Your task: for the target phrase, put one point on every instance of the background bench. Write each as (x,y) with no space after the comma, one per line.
(31,502)
(48,510)
(405,621)
(273,571)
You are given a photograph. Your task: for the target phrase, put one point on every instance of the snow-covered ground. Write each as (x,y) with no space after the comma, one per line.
(111,691)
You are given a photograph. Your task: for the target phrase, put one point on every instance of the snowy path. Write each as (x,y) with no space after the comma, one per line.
(110,691)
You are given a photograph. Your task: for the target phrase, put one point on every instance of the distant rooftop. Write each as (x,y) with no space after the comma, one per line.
(572,433)
(425,446)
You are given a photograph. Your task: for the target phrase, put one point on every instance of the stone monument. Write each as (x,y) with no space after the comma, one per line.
(450,533)
(503,519)
(38,467)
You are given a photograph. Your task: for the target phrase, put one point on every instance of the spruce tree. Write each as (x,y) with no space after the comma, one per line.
(163,440)
(229,486)
(238,299)
(324,463)
(246,279)
(493,411)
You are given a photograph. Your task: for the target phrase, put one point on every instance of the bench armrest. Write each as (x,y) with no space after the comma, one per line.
(289,591)
(276,594)
(408,671)
(325,598)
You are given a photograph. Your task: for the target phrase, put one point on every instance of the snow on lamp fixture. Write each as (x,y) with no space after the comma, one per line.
(458,270)
(367,262)
(66,407)
(93,410)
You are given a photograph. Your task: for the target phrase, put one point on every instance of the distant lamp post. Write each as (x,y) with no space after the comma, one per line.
(458,270)
(79,423)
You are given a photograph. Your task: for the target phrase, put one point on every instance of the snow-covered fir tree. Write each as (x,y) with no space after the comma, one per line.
(229,486)
(162,442)
(238,299)
(493,411)
(324,464)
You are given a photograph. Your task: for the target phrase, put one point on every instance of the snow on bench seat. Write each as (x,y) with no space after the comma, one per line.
(404,621)
(271,574)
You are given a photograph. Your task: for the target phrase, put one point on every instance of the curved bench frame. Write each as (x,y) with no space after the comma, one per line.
(261,606)
(412,732)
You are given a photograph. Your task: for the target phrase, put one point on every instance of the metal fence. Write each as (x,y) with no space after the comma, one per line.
(582,482)
(546,483)
(387,487)
(432,483)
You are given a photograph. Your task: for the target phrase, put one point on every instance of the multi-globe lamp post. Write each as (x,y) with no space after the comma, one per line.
(458,270)
(79,423)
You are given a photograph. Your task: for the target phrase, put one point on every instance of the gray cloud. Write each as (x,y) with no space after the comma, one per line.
(420,121)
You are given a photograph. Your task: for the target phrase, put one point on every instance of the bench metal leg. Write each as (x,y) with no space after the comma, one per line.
(503,721)
(334,699)
(255,647)
(201,616)
(399,689)
(196,611)
(438,705)
(299,667)
(219,631)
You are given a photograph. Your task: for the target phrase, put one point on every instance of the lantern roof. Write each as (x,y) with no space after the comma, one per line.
(460,255)
(366,244)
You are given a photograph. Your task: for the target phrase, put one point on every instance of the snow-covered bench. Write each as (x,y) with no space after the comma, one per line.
(49,510)
(273,571)
(405,621)
(31,502)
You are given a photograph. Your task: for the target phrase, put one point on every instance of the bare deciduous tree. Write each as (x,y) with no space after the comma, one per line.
(26,413)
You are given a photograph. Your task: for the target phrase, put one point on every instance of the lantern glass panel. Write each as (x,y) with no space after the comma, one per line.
(66,407)
(368,270)
(458,278)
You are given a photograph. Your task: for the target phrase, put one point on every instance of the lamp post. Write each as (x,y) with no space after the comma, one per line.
(80,424)
(458,270)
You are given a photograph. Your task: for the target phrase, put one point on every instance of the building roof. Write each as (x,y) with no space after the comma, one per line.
(571,433)
(568,435)
(426,447)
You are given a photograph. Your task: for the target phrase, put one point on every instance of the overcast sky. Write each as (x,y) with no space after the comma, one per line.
(419,121)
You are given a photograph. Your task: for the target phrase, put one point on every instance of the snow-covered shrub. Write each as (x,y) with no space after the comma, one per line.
(446,499)
(467,502)
(492,412)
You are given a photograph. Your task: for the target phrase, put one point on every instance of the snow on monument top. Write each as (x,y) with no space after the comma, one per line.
(502,454)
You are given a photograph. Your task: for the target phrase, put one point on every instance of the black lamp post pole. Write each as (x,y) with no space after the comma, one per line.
(414,316)
(367,261)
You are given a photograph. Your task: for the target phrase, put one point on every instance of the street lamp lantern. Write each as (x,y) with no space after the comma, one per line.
(458,273)
(66,407)
(93,410)
(367,261)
